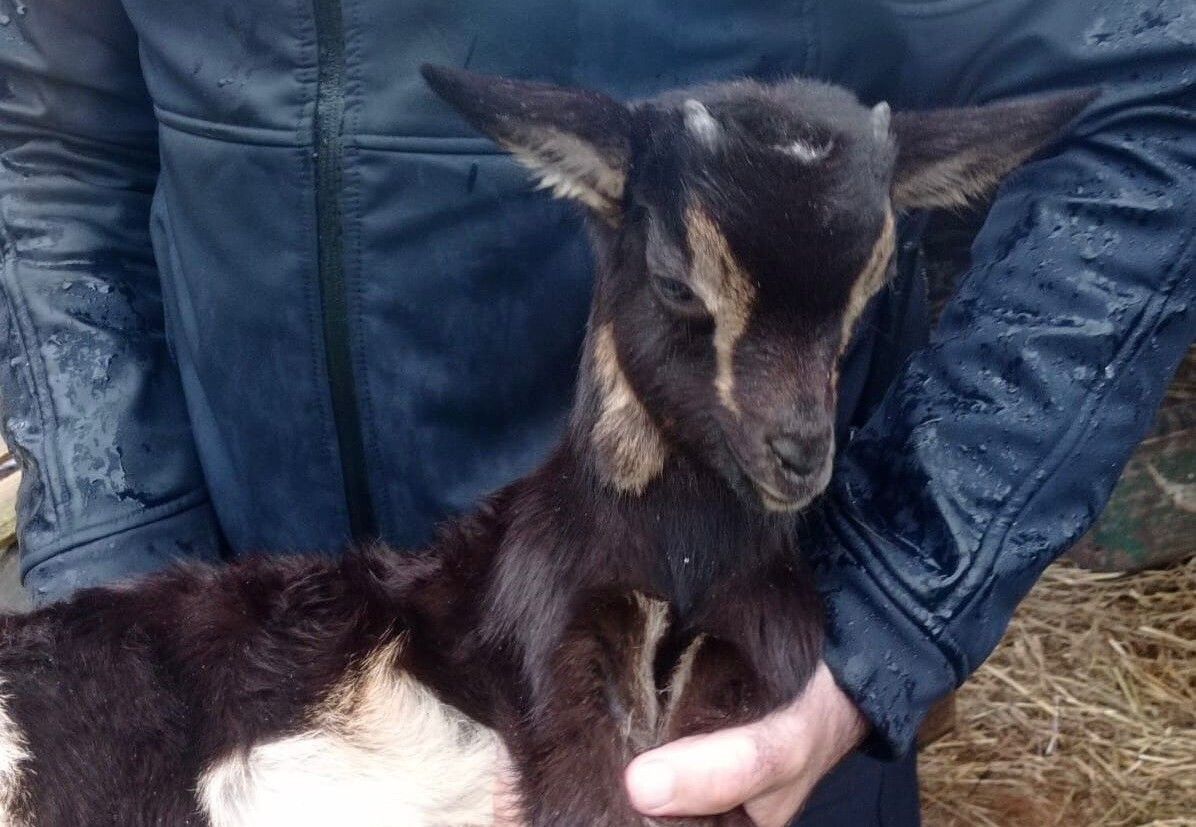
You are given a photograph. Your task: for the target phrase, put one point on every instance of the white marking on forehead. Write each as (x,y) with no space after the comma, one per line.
(807,153)
(701,124)
(882,117)
(727,292)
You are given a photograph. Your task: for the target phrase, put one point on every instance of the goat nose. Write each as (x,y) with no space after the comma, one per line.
(798,456)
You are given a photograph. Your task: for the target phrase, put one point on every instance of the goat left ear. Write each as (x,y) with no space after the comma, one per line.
(947,157)
(576,141)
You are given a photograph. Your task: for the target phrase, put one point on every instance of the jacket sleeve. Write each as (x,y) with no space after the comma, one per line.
(1000,441)
(91,402)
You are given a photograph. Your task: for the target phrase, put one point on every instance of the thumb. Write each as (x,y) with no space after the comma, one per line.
(704,774)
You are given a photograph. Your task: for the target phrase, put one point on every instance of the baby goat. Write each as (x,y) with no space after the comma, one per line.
(642,585)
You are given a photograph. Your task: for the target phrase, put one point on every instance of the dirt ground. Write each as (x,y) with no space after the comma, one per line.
(12,596)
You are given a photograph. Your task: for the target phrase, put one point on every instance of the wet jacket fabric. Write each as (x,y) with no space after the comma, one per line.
(262,292)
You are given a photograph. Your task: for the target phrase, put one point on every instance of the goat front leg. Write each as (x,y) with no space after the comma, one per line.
(756,643)
(598,710)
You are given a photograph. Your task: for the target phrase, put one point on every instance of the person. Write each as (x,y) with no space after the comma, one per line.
(261,291)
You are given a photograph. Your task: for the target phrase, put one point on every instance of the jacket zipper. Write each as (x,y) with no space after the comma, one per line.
(329,168)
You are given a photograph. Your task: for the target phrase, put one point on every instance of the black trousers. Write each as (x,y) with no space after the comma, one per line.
(865,792)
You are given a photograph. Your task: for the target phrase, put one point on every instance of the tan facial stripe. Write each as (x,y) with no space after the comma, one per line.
(725,289)
(626,440)
(872,276)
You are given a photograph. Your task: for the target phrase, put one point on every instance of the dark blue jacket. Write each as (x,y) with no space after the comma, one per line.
(261,291)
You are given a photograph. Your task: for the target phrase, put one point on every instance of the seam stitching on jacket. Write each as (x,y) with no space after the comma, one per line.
(353,255)
(72,138)
(1096,400)
(355,258)
(310,253)
(51,466)
(189,501)
(812,20)
(313,304)
(308,74)
(230,132)
(240,134)
(949,651)
(932,8)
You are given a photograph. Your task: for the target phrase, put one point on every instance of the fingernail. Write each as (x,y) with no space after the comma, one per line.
(652,784)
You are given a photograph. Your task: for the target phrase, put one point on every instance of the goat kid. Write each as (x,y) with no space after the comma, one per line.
(642,585)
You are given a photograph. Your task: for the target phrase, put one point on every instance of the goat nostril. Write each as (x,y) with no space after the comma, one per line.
(798,457)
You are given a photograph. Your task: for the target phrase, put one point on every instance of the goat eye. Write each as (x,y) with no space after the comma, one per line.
(675,292)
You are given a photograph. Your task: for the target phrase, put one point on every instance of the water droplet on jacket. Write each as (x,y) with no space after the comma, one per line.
(5,19)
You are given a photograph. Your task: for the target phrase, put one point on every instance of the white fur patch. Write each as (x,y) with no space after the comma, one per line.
(13,753)
(805,152)
(882,119)
(384,752)
(701,124)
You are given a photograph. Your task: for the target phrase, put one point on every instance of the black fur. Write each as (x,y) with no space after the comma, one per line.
(523,615)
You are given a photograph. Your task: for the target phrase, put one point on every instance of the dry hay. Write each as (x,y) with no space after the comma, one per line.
(1085,715)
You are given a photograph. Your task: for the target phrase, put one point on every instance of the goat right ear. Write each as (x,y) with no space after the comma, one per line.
(577,142)
(947,157)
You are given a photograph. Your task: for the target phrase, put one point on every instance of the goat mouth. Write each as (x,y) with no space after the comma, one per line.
(773,500)
(768,495)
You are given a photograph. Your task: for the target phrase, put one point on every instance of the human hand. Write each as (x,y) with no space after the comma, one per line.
(769,766)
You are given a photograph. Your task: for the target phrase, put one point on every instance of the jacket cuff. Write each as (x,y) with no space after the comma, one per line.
(886,662)
(191,534)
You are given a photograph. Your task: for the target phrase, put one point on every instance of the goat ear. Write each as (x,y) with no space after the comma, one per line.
(947,157)
(576,141)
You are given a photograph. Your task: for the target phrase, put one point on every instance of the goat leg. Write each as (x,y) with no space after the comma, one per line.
(598,713)
(754,649)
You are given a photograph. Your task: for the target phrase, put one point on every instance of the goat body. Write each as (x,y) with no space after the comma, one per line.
(642,585)
(373,689)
